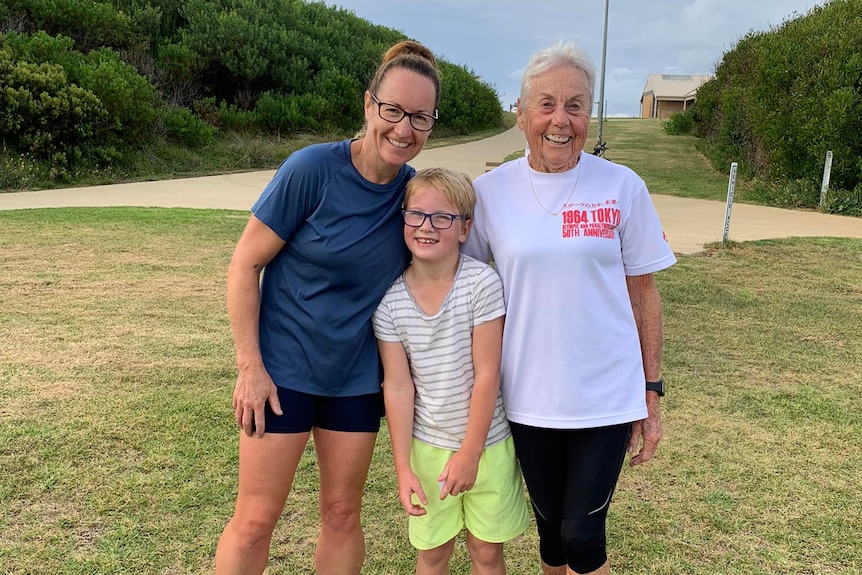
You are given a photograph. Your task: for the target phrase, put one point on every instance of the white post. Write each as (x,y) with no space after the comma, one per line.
(827,171)
(731,185)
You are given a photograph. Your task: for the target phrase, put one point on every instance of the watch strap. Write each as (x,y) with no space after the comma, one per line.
(656,386)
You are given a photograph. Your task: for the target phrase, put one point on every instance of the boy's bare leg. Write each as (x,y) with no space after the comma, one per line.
(485,558)
(435,561)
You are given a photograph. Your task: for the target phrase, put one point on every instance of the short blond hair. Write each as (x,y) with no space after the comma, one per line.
(457,188)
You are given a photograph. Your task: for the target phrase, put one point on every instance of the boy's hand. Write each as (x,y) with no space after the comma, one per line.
(407,486)
(459,474)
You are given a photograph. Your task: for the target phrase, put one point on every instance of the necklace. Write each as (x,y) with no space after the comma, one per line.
(565,203)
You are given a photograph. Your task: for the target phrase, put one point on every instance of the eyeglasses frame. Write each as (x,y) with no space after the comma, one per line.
(408,115)
(425,216)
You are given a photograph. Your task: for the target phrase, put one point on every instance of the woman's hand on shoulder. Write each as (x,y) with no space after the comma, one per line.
(254,387)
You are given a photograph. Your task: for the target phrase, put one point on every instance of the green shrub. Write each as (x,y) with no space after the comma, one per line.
(466,103)
(844,202)
(343,96)
(282,66)
(281,113)
(43,113)
(67,107)
(680,124)
(128,97)
(224,115)
(183,127)
(40,48)
(781,99)
(90,24)
(233,118)
(787,194)
(806,194)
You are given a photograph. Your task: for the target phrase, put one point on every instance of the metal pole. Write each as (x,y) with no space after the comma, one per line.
(824,184)
(602,80)
(731,186)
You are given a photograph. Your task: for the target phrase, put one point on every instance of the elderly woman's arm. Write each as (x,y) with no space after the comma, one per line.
(646,304)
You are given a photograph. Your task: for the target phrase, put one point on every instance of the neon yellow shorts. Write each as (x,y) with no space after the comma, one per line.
(494,510)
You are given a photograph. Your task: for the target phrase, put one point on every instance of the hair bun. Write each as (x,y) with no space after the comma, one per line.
(409,48)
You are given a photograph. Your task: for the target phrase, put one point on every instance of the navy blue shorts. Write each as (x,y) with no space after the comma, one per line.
(302,411)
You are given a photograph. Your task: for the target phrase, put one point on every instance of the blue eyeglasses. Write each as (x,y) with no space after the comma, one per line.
(439,220)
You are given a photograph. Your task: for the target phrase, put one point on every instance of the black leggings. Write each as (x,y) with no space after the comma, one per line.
(571,475)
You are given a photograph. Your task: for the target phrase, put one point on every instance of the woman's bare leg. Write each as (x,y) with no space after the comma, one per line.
(344,458)
(267,466)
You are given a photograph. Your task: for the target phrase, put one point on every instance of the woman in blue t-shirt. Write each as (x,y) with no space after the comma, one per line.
(326,235)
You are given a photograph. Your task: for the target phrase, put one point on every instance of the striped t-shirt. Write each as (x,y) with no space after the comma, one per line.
(440,351)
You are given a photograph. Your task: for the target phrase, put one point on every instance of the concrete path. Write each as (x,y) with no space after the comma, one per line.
(689,223)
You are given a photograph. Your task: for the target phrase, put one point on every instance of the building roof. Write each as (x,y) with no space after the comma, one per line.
(674,86)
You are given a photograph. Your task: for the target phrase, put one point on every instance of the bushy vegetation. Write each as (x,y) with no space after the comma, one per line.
(781,99)
(85,84)
(680,123)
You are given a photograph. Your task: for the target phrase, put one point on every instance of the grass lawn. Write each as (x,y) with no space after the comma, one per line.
(118,451)
(668,164)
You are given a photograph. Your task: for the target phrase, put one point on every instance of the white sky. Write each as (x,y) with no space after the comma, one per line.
(495,38)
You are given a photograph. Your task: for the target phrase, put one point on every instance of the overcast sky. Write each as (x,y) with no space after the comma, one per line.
(495,38)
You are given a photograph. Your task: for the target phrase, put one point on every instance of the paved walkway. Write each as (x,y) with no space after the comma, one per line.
(689,223)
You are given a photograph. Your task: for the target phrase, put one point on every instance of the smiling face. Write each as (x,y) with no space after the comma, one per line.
(556,118)
(426,243)
(398,143)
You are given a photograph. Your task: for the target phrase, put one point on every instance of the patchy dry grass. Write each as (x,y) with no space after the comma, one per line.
(118,453)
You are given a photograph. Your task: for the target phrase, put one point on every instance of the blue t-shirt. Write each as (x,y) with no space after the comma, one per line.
(345,246)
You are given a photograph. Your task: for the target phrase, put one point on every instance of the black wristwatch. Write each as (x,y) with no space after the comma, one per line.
(656,386)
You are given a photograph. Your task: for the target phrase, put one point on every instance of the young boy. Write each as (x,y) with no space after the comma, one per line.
(439,329)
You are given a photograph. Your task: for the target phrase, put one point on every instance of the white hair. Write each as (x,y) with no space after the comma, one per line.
(559,54)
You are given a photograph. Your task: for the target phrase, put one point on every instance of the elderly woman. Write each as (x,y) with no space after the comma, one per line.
(576,241)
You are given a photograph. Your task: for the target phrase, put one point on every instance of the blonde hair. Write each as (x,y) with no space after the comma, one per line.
(456,187)
(409,55)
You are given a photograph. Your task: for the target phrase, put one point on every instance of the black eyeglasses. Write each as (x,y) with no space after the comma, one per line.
(394,114)
(439,220)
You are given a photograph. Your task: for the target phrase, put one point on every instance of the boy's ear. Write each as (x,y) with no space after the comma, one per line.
(465,230)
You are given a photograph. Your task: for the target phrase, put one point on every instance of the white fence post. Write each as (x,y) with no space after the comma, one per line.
(731,186)
(824,185)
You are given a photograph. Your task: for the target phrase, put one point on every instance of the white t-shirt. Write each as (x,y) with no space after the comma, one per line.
(440,351)
(571,353)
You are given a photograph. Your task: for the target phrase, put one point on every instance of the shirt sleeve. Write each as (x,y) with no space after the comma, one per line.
(292,195)
(487,297)
(383,322)
(644,245)
(477,245)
